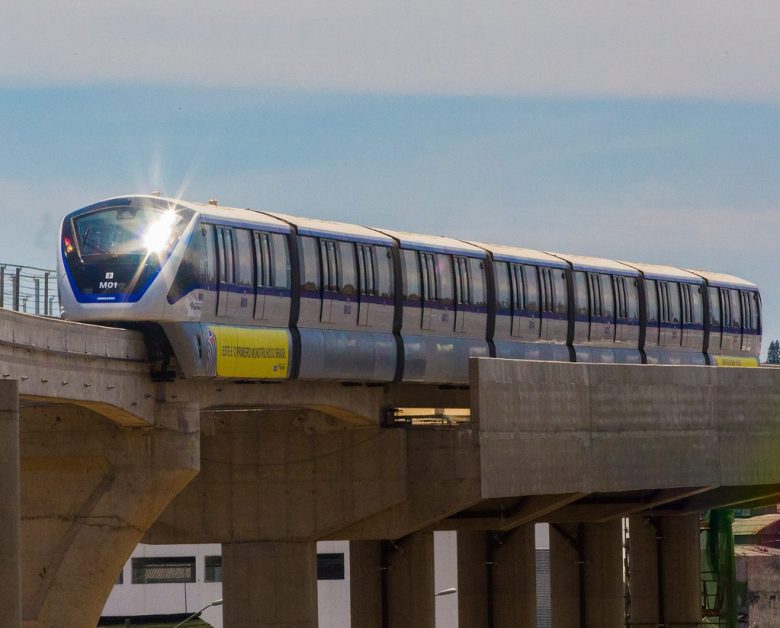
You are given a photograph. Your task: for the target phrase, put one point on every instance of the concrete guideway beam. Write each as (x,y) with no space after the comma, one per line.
(90,489)
(100,368)
(623,428)
(10,506)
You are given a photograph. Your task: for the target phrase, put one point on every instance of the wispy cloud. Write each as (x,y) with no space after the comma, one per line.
(720,49)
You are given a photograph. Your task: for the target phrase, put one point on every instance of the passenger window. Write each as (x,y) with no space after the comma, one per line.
(444,292)
(263,255)
(651,300)
(755,305)
(531,286)
(347,272)
(594,287)
(632,298)
(476,272)
(383,271)
(428,276)
(581,294)
(208,262)
(736,318)
(410,267)
(365,259)
(607,298)
(245,261)
(559,290)
(280,256)
(518,288)
(503,291)
(715,317)
(674,302)
(461,280)
(697,305)
(310,264)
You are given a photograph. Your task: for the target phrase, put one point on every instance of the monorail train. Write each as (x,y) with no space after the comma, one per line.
(236,293)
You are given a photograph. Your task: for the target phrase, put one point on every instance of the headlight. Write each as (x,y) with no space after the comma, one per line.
(158,235)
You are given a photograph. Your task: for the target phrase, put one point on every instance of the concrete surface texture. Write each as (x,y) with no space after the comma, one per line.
(108,457)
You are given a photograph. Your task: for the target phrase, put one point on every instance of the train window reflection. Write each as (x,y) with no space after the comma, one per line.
(477,277)
(410,268)
(503,290)
(444,292)
(310,265)
(531,285)
(281,261)
(347,274)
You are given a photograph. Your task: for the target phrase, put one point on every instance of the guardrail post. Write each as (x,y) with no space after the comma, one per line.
(2,286)
(16,278)
(46,309)
(37,282)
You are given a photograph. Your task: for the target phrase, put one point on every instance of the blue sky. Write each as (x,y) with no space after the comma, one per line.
(659,143)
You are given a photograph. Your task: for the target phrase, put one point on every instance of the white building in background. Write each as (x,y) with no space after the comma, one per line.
(171,579)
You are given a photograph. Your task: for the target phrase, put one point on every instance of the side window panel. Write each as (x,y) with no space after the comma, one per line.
(632,298)
(715,317)
(697,306)
(411,275)
(518,288)
(736,318)
(651,297)
(477,277)
(675,315)
(444,292)
(280,256)
(310,264)
(383,271)
(347,271)
(263,261)
(429,276)
(531,284)
(559,290)
(607,301)
(581,294)
(503,291)
(245,259)
(208,262)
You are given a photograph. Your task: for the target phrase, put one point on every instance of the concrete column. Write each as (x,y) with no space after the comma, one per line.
(586,575)
(365,583)
(643,550)
(674,542)
(10,507)
(681,569)
(411,582)
(473,578)
(270,584)
(514,578)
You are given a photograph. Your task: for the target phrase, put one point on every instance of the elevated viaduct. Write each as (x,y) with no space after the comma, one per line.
(96,457)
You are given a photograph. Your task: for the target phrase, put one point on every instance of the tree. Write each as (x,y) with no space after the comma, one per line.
(773,354)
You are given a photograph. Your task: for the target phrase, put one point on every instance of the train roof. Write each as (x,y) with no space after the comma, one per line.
(333,229)
(436,244)
(597,264)
(667,273)
(505,253)
(722,280)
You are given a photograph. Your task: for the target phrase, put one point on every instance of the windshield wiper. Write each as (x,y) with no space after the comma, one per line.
(97,246)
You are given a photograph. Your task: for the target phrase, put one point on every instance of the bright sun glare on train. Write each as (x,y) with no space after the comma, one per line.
(158,234)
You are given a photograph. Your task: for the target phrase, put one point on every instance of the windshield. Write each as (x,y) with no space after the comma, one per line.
(129,230)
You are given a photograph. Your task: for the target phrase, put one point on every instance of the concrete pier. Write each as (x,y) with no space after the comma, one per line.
(586,575)
(10,506)
(367,577)
(665,574)
(411,582)
(270,584)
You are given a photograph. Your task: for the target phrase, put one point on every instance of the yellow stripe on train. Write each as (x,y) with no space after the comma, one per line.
(255,353)
(725,360)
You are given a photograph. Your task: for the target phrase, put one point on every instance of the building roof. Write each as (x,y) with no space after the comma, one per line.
(753,526)
(755,550)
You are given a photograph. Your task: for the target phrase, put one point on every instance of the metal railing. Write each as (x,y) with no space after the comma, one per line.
(29,289)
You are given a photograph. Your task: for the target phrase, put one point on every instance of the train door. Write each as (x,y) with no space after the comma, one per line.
(750,321)
(330,280)
(442,315)
(716,320)
(224,268)
(555,324)
(692,316)
(732,321)
(344,301)
(413,290)
(428,267)
(462,292)
(503,325)
(366,274)
(263,273)
(242,301)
